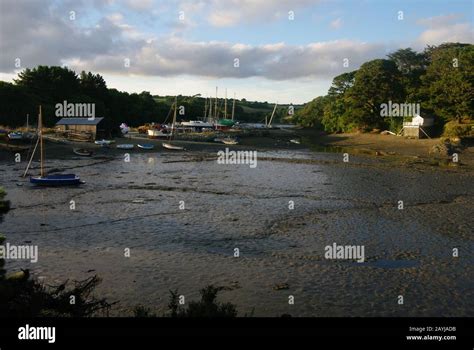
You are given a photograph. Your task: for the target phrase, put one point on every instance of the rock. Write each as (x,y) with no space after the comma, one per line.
(281,286)
(442,150)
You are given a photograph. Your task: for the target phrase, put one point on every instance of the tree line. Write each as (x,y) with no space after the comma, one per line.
(440,80)
(50,85)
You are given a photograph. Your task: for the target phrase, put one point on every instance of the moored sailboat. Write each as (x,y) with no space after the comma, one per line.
(169,145)
(49,180)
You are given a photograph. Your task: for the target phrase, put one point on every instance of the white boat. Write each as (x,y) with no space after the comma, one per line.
(168,144)
(154,133)
(197,124)
(295,141)
(173,147)
(229,141)
(125,146)
(103,142)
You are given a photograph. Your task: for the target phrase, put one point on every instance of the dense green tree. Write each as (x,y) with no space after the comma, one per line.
(341,83)
(412,66)
(448,85)
(376,82)
(51,84)
(16,104)
(334,116)
(311,114)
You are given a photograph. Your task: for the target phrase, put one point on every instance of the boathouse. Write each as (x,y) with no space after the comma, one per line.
(79,128)
(418,127)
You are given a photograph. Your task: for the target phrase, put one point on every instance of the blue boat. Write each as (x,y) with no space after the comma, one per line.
(49,180)
(56,180)
(147,146)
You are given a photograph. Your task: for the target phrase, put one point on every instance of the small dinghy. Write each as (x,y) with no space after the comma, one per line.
(172,147)
(103,142)
(295,141)
(82,152)
(15,136)
(146,146)
(56,180)
(125,146)
(230,141)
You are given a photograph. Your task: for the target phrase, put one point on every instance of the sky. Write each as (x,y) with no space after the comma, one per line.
(285,51)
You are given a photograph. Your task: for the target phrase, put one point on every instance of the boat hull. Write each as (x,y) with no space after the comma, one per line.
(172,147)
(146,147)
(82,152)
(125,146)
(230,142)
(154,134)
(56,180)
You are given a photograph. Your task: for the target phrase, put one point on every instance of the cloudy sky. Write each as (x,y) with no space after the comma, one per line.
(283,51)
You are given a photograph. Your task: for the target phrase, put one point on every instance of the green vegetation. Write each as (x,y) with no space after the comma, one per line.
(455,128)
(208,306)
(51,85)
(440,79)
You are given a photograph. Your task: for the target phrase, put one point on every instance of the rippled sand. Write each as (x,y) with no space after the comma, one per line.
(136,205)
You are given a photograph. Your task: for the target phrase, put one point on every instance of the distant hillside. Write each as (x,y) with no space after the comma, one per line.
(50,85)
(245,111)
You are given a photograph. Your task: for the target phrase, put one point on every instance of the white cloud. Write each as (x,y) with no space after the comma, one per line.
(140,5)
(444,28)
(438,21)
(337,23)
(176,56)
(223,13)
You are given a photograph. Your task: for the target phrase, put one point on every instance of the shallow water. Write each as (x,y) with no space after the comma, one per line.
(136,205)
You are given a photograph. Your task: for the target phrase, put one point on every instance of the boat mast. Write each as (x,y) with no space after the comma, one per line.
(174,116)
(273,113)
(233,107)
(215,107)
(225,105)
(209,117)
(40,127)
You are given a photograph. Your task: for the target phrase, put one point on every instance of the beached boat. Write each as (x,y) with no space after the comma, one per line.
(104,142)
(172,147)
(15,136)
(146,146)
(224,124)
(56,180)
(155,133)
(198,124)
(49,180)
(169,145)
(126,146)
(229,141)
(82,152)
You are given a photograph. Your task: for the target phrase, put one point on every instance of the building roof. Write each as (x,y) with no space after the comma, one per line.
(79,121)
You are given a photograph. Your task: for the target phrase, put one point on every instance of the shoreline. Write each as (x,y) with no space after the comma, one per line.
(389,149)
